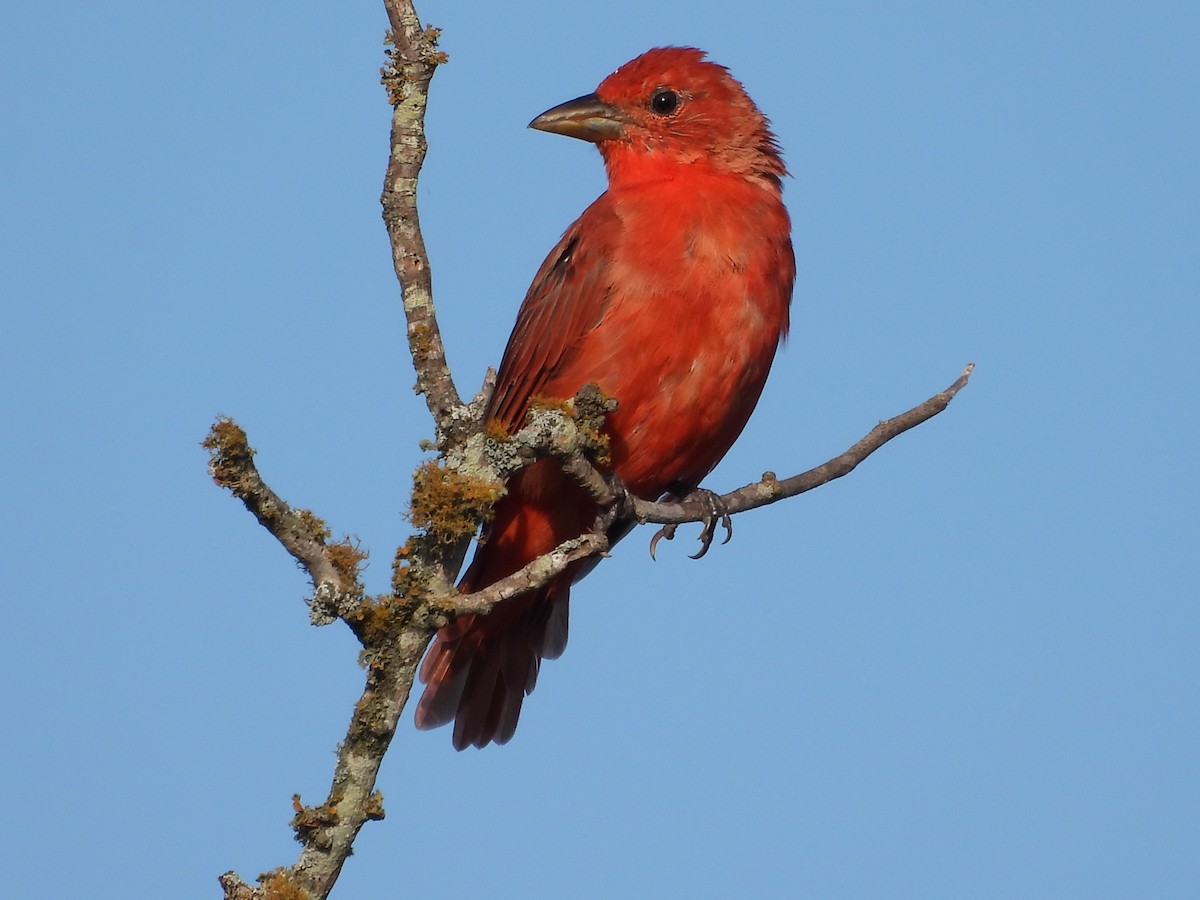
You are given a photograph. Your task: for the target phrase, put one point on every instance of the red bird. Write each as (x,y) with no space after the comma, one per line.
(671,293)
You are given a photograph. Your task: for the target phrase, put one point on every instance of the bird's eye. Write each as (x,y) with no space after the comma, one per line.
(664,102)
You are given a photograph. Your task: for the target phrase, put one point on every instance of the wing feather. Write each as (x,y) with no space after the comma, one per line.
(567,299)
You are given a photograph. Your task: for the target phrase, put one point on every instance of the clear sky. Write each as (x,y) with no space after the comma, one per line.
(970,669)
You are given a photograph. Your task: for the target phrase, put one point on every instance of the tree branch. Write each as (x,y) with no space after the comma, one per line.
(770,489)
(412,59)
(529,577)
(451,496)
(333,567)
(395,628)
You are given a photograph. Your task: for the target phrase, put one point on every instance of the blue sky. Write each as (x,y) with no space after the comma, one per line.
(967,670)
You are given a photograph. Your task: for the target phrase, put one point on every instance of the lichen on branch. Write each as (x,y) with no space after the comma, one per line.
(449,504)
(453,494)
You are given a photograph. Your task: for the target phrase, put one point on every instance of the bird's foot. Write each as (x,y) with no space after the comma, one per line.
(617,506)
(718,514)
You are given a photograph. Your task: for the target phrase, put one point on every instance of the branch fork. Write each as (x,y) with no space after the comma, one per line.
(395,628)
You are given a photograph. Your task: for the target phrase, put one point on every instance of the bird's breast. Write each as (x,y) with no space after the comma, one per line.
(699,302)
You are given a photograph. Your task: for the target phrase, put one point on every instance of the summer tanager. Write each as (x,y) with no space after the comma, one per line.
(671,294)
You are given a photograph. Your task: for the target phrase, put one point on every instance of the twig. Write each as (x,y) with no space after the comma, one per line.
(529,577)
(395,628)
(413,57)
(771,489)
(333,567)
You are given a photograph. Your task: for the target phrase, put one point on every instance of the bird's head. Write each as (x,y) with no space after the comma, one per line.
(666,109)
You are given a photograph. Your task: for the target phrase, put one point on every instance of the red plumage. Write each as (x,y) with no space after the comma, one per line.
(671,293)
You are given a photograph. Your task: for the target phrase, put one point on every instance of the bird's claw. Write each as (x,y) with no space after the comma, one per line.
(717,515)
(667,531)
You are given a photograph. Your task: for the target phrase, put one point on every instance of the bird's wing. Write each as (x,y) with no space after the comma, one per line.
(567,299)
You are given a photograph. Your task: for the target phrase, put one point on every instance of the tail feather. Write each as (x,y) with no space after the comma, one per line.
(479,669)
(553,638)
(445,670)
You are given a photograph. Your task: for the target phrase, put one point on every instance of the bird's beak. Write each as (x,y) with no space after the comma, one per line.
(588,118)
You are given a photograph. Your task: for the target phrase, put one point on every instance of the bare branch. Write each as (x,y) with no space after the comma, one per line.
(770,489)
(396,627)
(529,577)
(413,58)
(615,501)
(333,567)
(328,831)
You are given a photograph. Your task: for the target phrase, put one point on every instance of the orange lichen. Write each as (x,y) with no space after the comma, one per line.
(591,406)
(346,556)
(230,454)
(496,432)
(310,819)
(375,621)
(421,343)
(448,504)
(374,806)
(280,885)
(313,524)
(541,401)
(588,408)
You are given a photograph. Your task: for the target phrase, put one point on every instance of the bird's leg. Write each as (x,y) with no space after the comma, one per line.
(717,514)
(617,506)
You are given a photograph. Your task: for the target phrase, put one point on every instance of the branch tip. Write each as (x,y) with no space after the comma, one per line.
(448,502)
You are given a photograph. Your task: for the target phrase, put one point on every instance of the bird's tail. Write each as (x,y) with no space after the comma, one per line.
(479,668)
